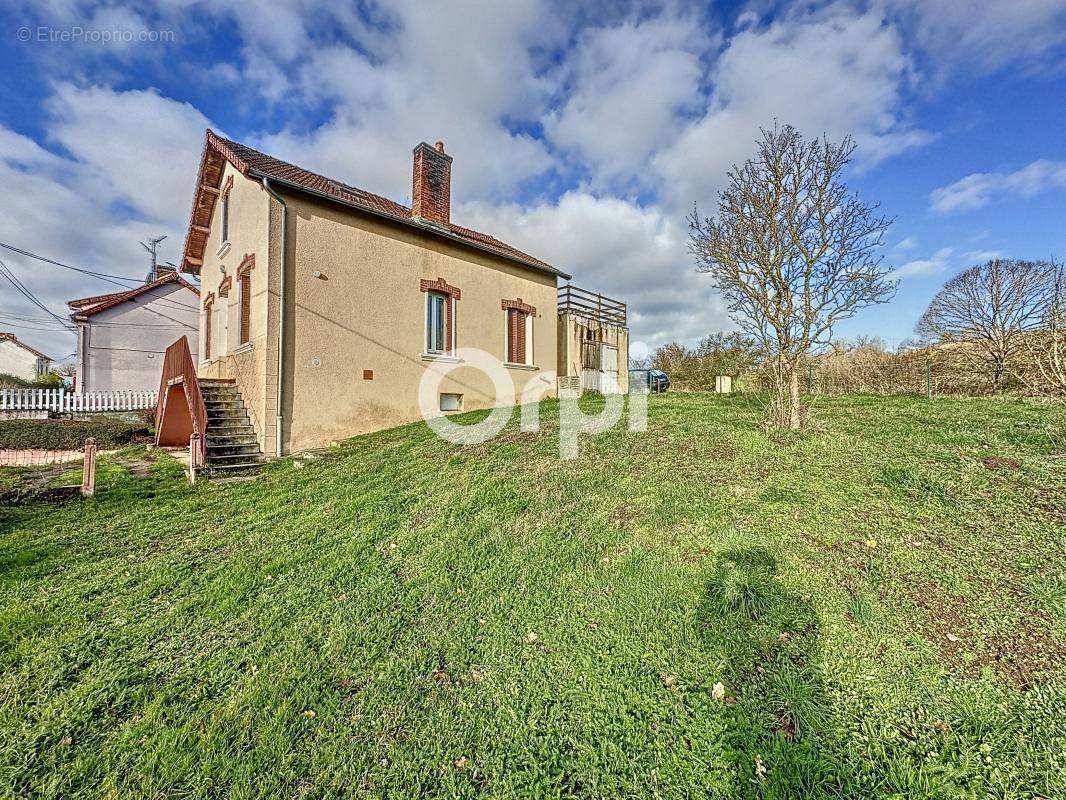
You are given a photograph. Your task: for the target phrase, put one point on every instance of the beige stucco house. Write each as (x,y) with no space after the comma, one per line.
(359,295)
(20,360)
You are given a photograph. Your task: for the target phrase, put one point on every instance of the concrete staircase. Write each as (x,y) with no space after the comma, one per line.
(232,449)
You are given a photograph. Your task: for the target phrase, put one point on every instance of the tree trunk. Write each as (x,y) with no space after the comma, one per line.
(794,420)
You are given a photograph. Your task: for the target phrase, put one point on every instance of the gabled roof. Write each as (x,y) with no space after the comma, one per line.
(87,306)
(253,164)
(10,337)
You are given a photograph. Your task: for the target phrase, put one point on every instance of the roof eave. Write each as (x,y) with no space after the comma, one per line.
(407,222)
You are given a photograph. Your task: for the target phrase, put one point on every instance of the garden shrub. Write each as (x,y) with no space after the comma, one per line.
(66,434)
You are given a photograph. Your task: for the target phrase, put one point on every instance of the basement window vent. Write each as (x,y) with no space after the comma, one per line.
(451,402)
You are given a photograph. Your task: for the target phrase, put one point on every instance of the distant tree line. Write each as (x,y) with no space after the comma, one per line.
(996,327)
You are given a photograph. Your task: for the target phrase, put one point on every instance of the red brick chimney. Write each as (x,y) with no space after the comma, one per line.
(431,191)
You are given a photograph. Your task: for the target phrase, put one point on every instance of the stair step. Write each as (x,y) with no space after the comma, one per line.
(242,446)
(239,459)
(234,465)
(232,446)
(233,455)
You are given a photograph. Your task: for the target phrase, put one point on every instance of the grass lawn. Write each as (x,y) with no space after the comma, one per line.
(881,600)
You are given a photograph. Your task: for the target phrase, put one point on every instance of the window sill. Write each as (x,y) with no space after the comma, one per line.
(244,348)
(441,357)
(222,250)
(531,367)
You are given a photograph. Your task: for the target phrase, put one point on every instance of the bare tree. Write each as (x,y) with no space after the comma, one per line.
(1047,347)
(793,251)
(990,309)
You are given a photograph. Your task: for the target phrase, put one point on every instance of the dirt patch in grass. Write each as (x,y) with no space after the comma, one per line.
(625,515)
(1000,462)
(1025,655)
(1052,503)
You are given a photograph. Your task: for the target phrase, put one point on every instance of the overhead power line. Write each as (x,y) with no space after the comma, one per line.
(104,276)
(101,275)
(21,289)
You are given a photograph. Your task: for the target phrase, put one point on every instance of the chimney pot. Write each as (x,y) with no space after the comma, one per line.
(431,186)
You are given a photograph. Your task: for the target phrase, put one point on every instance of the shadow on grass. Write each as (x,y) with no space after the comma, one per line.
(779,716)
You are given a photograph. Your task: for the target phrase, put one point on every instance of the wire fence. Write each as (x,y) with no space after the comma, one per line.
(36,471)
(37,457)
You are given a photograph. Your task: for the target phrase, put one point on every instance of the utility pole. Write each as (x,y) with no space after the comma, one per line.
(151,246)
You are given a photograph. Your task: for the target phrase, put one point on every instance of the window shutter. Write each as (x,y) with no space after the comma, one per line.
(449,345)
(246,311)
(512,335)
(520,341)
(208,311)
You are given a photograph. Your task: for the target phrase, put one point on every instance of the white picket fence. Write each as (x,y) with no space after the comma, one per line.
(62,401)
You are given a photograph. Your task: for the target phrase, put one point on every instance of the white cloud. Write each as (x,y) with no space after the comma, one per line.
(982,256)
(936,264)
(634,254)
(627,87)
(137,146)
(836,74)
(907,243)
(463,78)
(980,188)
(987,35)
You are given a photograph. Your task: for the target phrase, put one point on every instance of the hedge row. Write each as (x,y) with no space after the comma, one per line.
(66,434)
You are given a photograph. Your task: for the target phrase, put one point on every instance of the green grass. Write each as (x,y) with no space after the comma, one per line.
(407,618)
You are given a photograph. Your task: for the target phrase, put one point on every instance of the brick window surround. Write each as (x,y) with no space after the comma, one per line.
(453,293)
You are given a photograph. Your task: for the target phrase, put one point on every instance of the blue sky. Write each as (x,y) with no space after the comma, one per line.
(582,133)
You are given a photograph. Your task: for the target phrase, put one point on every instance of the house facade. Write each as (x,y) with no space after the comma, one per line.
(325,305)
(121,337)
(20,360)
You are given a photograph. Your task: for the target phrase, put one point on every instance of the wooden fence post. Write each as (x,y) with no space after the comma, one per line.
(88,469)
(194,457)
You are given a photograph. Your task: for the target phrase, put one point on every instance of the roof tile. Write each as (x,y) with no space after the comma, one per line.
(246,160)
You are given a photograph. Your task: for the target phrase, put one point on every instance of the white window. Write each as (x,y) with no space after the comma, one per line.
(438,324)
(451,402)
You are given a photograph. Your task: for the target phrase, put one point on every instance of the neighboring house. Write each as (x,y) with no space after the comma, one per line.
(122,336)
(362,293)
(21,360)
